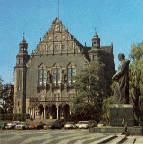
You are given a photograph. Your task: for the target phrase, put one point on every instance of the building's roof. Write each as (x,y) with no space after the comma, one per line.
(107,49)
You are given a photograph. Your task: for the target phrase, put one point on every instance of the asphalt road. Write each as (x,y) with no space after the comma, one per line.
(54,137)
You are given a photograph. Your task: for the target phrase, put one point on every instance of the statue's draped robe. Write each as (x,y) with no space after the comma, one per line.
(122,85)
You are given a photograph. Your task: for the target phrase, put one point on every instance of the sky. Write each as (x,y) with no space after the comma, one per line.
(117,21)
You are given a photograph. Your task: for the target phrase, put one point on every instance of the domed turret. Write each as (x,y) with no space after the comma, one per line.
(23,47)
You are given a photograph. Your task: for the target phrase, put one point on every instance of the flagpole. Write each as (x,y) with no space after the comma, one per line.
(58,9)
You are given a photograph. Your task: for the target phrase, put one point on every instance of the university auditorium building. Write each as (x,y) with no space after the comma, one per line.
(42,80)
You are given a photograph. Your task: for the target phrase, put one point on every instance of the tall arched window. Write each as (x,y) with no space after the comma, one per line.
(56,74)
(71,73)
(42,76)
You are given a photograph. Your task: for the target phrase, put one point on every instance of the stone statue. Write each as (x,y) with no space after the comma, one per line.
(122,81)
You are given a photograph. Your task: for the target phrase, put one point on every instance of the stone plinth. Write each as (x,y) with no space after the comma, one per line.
(111,129)
(118,112)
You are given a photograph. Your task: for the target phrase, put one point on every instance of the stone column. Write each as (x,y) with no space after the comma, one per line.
(29,111)
(31,115)
(44,112)
(57,112)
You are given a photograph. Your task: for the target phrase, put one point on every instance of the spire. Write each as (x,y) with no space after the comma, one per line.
(96,36)
(23,46)
(23,41)
(96,41)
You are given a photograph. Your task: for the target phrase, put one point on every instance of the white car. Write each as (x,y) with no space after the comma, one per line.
(70,125)
(80,122)
(22,126)
(84,125)
(12,125)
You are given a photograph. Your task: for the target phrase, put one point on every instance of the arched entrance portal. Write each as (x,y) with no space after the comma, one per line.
(53,111)
(66,111)
(41,110)
(47,114)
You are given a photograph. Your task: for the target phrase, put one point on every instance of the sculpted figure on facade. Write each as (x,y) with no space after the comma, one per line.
(122,81)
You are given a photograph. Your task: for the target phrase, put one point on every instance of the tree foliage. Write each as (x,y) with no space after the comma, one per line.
(6,95)
(136,80)
(87,104)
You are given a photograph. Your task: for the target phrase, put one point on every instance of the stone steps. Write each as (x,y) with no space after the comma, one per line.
(139,140)
(117,139)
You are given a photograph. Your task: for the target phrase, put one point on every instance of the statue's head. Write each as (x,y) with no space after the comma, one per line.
(121,56)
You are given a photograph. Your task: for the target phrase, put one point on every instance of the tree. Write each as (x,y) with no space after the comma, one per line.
(136,80)
(88,102)
(6,94)
(1,86)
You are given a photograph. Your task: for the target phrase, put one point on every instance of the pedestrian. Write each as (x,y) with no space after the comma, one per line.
(125,125)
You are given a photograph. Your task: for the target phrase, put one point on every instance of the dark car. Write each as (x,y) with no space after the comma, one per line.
(36,125)
(53,125)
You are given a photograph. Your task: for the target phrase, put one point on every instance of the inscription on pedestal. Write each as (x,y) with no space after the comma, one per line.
(118,112)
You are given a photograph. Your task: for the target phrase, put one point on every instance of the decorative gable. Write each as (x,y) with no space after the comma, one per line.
(58,41)
(42,66)
(71,64)
(56,65)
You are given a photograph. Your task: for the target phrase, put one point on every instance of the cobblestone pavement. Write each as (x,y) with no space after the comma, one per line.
(63,137)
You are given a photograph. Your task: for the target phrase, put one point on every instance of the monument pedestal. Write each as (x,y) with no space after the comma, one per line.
(118,112)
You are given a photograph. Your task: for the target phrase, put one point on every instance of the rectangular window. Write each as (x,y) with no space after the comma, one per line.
(18,103)
(56,47)
(56,75)
(56,38)
(50,47)
(19,88)
(42,76)
(56,97)
(20,61)
(63,47)
(71,73)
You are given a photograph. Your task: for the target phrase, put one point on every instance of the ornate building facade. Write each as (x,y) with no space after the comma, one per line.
(42,80)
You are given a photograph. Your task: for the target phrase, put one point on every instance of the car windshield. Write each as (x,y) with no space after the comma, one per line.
(22,123)
(36,123)
(100,122)
(14,123)
(50,123)
(80,122)
(85,122)
(69,123)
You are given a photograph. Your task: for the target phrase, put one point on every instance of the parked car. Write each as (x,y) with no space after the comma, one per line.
(2,125)
(70,125)
(12,125)
(53,125)
(80,122)
(63,123)
(36,125)
(93,123)
(22,126)
(100,124)
(84,125)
